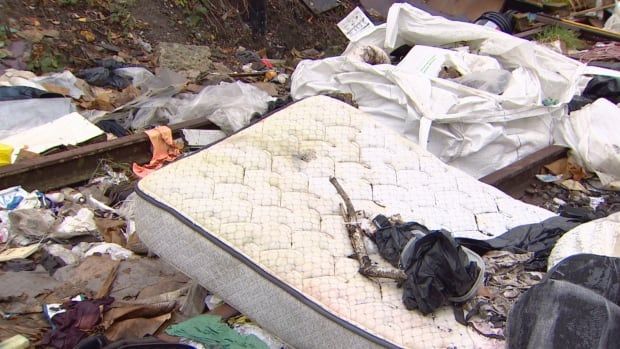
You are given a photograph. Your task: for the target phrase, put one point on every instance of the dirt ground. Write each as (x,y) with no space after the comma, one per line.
(79,32)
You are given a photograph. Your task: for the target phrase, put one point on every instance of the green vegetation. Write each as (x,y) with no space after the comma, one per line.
(553,33)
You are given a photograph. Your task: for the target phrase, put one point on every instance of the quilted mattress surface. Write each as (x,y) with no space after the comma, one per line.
(258,207)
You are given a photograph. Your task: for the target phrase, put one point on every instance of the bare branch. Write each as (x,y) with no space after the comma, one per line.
(356,235)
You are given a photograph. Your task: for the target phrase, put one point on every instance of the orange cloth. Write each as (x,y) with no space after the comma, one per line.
(164,150)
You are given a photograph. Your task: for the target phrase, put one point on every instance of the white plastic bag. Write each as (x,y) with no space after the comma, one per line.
(228,105)
(592,135)
(613,23)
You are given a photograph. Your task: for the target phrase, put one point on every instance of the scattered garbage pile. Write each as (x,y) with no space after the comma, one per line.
(480,90)
(75,275)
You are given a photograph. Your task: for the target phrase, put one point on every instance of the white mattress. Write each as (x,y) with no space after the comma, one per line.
(255,219)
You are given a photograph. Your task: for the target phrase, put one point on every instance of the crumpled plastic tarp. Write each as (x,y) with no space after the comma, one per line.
(471,129)
(576,306)
(228,105)
(591,133)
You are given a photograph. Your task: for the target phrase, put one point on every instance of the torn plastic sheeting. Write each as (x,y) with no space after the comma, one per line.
(590,133)
(65,254)
(601,237)
(21,115)
(64,80)
(469,128)
(228,105)
(493,80)
(154,106)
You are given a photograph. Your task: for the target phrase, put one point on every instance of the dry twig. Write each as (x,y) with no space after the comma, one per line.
(356,235)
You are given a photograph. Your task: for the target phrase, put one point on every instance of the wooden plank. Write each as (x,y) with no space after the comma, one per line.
(515,178)
(77,165)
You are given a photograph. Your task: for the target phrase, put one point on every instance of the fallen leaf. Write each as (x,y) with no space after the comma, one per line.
(88,35)
(82,19)
(4,53)
(574,185)
(55,22)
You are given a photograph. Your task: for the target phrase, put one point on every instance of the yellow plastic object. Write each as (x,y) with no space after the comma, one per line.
(15,342)
(5,154)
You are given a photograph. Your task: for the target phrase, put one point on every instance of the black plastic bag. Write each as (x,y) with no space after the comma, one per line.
(391,239)
(437,269)
(603,87)
(576,306)
(104,75)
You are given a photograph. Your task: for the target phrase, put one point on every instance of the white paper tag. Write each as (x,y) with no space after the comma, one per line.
(356,24)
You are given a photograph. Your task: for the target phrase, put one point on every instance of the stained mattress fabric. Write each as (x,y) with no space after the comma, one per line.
(255,220)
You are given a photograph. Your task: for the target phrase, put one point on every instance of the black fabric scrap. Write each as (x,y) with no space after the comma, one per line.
(538,238)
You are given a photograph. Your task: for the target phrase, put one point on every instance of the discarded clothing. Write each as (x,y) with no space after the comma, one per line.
(211,331)
(568,310)
(11,93)
(164,150)
(71,326)
(538,238)
(437,269)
